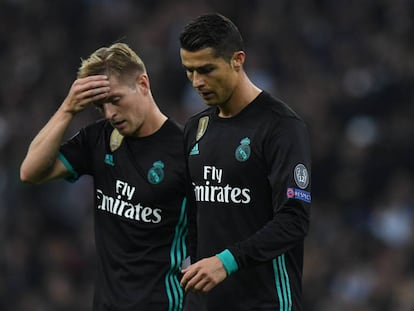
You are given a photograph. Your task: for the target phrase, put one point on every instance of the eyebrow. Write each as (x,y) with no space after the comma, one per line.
(205,66)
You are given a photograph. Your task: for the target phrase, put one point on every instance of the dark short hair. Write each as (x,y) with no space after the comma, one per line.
(212,31)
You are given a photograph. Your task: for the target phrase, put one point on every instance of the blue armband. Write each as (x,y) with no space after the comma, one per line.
(229,262)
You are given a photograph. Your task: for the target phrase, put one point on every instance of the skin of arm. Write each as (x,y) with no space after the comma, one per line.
(41,163)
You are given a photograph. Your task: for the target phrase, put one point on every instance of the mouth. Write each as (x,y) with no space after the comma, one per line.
(206,95)
(118,124)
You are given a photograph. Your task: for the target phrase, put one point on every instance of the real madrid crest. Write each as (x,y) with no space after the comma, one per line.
(243,151)
(115,140)
(156,173)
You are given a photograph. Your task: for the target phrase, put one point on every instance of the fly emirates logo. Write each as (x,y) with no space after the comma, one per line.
(214,191)
(122,206)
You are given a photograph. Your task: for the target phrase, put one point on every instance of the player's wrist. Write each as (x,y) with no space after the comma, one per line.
(228,261)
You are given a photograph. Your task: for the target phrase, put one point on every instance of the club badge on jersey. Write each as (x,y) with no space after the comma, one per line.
(156,173)
(243,151)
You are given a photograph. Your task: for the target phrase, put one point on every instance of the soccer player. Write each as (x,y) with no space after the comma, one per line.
(135,156)
(249,162)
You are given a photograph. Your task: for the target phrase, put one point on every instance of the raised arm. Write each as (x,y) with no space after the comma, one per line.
(41,163)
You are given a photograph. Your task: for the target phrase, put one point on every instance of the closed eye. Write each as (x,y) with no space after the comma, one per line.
(114,100)
(205,69)
(111,100)
(201,70)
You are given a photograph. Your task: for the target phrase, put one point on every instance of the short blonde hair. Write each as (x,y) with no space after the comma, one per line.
(118,59)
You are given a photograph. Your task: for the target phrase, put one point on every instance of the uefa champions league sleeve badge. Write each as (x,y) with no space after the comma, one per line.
(301,176)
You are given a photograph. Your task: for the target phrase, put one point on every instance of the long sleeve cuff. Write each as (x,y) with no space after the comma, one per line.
(229,262)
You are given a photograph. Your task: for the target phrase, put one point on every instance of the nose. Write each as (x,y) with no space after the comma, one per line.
(197,80)
(109,111)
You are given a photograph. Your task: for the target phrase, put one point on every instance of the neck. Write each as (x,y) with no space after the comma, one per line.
(153,122)
(244,93)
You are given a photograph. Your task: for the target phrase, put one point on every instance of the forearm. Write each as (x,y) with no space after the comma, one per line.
(284,232)
(40,163)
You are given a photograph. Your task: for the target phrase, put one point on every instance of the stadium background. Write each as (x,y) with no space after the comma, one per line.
(345,66)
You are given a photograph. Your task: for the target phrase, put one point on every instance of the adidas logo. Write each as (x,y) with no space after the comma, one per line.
(109,159)
(195,150)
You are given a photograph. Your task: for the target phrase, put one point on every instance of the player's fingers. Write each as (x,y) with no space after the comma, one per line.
(89,85)
(188,274)
(92,85)
(100,92)
(203,285)
(192,282)
(91,79)
(92,99)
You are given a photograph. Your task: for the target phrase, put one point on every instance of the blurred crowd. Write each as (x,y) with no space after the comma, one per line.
(346,66)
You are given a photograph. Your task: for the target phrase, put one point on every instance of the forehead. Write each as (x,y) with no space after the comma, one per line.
(114,80)
(118,83)
(117,87)
(199,58)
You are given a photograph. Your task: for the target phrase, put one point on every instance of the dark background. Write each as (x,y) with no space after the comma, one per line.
(345,66)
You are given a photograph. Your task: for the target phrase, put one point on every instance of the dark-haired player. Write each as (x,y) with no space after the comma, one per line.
(249,161)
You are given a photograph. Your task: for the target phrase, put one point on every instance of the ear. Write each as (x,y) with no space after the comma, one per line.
(237,60)
(142,83)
